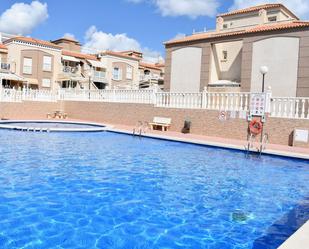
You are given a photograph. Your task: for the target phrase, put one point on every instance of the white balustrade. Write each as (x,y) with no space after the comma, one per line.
(179,100)
(121,96)
(281,107)
(10,95)
(289,107)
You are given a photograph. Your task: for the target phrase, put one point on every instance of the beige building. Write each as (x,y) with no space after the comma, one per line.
(121,69)
(38,64)
(34,63)
(6,75)
(79,70)
(230,57)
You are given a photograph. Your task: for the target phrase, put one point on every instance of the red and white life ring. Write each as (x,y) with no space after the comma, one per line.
(255,127)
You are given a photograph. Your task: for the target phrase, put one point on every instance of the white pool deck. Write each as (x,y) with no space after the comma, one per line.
(299,240)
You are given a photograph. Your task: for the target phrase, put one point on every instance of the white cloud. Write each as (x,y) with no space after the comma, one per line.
(191,8)
(69,36)
(179,36)
(300,7)
(96,41)
(22,18)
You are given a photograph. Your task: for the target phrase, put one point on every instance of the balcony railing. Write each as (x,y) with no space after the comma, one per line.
(70,70)
(150,77)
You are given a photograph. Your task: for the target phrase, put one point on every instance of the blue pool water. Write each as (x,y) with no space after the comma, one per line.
(106,190)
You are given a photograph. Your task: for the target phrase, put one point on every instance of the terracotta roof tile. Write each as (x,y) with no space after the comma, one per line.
(80,55)
(149,65)
(257,8)
(3,46)
(119,54)
(33,41)
(256,29)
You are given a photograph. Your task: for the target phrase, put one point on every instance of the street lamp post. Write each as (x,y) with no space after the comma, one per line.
(263,71)
(89,85)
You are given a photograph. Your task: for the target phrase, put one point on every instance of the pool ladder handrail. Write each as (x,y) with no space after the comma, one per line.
(140,128)
(249,144)
(264,142)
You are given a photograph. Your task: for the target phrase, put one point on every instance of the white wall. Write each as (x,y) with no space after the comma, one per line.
(280,55)
(229,69)
(186,70)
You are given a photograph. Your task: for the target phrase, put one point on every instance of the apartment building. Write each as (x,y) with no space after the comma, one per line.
(38,64)
(79,70)
(122,69)
(30,62)
(230,57)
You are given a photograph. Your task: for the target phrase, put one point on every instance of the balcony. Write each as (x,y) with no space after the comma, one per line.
(150,78)
(70,70)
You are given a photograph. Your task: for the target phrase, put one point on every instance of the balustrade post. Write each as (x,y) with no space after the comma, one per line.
(23,97)
(204,98)
(154,96)
(303,109)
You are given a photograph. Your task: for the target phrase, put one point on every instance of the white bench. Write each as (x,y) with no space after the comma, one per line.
(164,123)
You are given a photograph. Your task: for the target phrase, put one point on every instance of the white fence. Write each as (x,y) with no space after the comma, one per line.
(296,108)
(12,95)
(290,107)
(204,100)
(121,96)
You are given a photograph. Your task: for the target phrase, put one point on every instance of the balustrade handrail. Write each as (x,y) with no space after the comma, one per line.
(281,107)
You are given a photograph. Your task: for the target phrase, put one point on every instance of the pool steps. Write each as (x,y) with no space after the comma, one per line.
(96,127)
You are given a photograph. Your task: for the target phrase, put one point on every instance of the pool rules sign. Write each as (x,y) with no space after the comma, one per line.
(257,104)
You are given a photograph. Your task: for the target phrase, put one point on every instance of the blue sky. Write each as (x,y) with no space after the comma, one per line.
(118,24)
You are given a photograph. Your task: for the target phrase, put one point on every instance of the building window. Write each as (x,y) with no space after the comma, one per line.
(117,73)
(272,19)
(47,63)
(27,68)
(46,83)
(224,55)
(129,75)
(225,26)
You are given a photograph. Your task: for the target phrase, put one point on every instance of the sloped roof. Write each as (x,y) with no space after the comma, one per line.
(80,55)
(33,41)
(257,8)
(149,65)
(2,46)
(255,29)
(119,54)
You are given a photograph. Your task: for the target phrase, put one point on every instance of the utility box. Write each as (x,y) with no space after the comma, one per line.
(300,137)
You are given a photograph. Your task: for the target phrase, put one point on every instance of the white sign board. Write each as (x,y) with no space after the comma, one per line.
(257,104)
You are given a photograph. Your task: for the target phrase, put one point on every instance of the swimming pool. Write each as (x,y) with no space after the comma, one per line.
(107,190)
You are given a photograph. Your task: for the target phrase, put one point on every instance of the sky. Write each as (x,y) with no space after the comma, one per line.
(141,25)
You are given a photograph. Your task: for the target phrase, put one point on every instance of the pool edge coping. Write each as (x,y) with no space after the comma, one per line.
(272,152)
(98,127)
(299,239)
